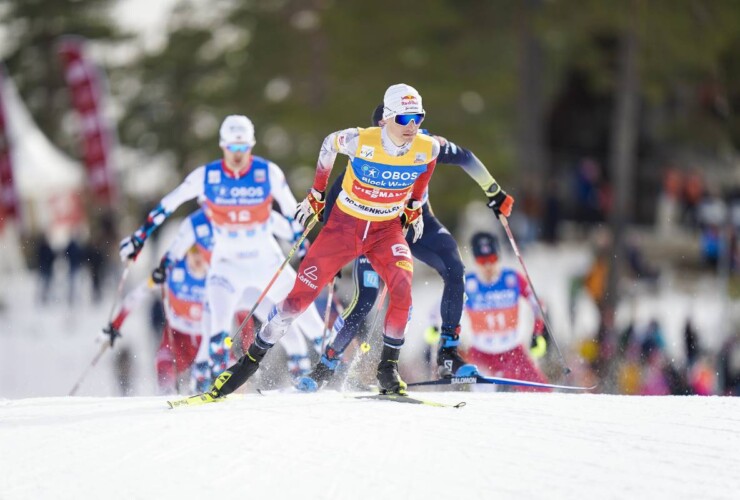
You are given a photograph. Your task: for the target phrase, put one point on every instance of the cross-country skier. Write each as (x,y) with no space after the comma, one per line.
(388,172)
(436,248)
(492,305)
(183,294)
(182,272)
(237,193)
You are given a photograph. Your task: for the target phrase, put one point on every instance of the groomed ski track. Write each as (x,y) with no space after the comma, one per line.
(328,446)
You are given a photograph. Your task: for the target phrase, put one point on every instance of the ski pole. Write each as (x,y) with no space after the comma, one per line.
(311,223)
(105,345)
(505,223)
(327,313)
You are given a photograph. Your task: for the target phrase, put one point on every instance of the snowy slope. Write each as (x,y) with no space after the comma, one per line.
(325,446)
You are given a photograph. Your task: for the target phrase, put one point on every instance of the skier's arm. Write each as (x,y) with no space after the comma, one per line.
(422,182)
(281,191)
(342,141)
(184,240)
(411,213)
(527,294)
(190,188)
(131,301)
(452,154)
(282,227)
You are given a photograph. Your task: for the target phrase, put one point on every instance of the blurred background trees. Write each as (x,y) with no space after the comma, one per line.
(529,86)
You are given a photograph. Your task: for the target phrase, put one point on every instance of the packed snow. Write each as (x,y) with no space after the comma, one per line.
(327,445)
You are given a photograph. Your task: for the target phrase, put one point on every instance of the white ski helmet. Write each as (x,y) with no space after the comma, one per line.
(401,99)
(236,129)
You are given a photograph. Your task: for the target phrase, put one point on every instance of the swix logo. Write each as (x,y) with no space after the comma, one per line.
(247,191)
(401,250)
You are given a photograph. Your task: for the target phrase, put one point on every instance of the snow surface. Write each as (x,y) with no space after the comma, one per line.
(326,446)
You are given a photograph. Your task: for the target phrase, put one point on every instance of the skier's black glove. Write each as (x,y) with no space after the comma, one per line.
(159,275)
(131,246)
(498,201)
(110,334)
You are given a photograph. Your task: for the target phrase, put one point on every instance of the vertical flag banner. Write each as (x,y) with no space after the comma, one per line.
(86,84)
(8,195)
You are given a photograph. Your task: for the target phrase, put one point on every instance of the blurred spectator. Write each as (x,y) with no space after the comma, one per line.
(693,191)
(691,343)
(157,319)
(124,371)
(597,276)
(654,382)
(45,266)
(710,245)
(630,373)
(588,191)
(97,263)
(729,366)
(668,214)
(551,216)
(638,266)
(74,255)
(653,339)
(701,378)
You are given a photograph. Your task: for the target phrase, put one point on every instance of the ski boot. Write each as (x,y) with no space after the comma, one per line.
(233,378)
(320,375)
(388,378)
(219,352)
(200,375)
(298,365)
(449,361)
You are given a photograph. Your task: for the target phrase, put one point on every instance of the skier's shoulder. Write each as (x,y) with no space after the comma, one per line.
(262,162)
(471,282)
(217,163)
(426,138)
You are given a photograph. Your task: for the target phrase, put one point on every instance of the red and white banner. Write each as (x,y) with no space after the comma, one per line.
(86,84)
(8,195)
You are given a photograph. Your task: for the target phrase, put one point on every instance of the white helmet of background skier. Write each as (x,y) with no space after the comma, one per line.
(236,129)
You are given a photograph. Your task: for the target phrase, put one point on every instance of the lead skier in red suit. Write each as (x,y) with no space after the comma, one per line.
(388,171)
